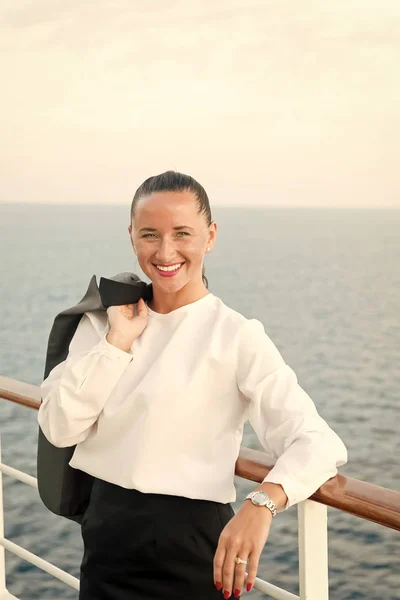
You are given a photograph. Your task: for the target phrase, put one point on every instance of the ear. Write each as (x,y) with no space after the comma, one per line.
(212,233)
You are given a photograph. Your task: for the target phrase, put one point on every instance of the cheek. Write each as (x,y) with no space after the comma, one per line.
(194,248)
(142,255)
(144,249)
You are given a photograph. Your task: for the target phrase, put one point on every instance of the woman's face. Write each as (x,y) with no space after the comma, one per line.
(170,239)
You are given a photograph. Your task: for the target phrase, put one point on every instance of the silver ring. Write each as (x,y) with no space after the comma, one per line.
(240,560)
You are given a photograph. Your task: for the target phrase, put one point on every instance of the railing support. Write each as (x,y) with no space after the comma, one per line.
(313,550)
(3,588)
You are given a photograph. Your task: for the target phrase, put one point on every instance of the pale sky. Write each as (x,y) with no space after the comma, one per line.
(281,102)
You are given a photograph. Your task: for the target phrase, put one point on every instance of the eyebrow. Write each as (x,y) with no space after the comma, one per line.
(176,228)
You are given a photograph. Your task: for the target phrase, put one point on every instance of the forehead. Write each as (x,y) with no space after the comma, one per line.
(166,207)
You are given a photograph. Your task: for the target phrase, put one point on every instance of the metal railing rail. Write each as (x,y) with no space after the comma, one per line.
(359,498)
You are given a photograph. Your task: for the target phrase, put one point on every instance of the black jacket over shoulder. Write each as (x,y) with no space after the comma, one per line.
(66,491)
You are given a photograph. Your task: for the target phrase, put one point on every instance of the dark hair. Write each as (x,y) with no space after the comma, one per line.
(173,181)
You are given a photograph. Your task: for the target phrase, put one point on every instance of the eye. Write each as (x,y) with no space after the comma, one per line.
(146,235)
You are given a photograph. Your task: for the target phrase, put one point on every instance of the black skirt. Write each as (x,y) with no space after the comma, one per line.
(141,546)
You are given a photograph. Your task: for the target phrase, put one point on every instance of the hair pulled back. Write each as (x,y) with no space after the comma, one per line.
(173,181)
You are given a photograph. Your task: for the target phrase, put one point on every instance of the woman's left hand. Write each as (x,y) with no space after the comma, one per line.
(243,536)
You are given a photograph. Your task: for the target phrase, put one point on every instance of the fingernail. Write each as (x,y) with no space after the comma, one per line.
(218,585)
(226,594)
(236,593)
(249,586)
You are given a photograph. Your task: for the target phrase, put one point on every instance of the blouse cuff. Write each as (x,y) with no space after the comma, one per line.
(112,352)
(97,373)
(289,487)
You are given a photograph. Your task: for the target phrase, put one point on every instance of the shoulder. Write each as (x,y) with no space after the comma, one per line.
(242,325)
(248,336)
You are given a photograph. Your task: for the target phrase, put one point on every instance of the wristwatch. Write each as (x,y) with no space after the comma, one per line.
(261,498)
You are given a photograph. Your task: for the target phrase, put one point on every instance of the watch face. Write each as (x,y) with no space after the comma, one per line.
(259,498)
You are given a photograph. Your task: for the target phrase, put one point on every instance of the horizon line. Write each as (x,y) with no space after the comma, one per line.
(213,205)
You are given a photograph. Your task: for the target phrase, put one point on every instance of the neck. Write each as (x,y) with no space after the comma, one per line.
(163,302)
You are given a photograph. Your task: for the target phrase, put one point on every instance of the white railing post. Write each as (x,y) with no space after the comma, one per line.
(3,588)
(313,550)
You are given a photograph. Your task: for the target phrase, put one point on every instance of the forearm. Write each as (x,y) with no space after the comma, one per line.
(73,399)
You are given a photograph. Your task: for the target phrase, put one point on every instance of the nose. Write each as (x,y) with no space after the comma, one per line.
(166,251)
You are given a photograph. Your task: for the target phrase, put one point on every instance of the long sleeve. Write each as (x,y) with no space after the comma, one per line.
(76,390)
(306,450)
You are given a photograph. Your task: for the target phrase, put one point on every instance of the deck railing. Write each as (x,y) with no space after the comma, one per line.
(358,498)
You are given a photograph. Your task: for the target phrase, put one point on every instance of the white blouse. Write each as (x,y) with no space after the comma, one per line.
(167,417)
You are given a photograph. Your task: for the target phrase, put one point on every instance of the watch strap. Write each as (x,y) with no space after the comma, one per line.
(270,504)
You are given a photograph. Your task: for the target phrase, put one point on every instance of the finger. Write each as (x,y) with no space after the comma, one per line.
(240,572)
(252,568)
(228,570)
(127,309)
(218,564)
(141,307)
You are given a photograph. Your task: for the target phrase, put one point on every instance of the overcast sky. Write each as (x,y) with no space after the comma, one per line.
(284,103)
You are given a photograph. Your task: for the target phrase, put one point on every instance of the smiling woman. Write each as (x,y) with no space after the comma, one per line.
(171,230)
(156,409)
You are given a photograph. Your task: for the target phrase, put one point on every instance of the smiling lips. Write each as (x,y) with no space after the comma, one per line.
(170,270)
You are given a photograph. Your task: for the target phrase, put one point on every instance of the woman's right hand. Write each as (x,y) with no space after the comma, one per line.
(126,323)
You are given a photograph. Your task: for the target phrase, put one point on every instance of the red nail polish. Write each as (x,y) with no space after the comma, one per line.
(218,585)
(226,594)
(236,593)
(249,586)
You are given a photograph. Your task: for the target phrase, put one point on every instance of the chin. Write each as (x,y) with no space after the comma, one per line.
(169,287)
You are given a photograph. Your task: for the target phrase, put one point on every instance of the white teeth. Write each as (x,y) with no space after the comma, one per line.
(172,268)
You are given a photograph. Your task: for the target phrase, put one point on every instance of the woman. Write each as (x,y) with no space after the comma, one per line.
(156,399)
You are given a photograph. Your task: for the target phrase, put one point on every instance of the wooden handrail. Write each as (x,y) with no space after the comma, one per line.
(20,393)
(359,498)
